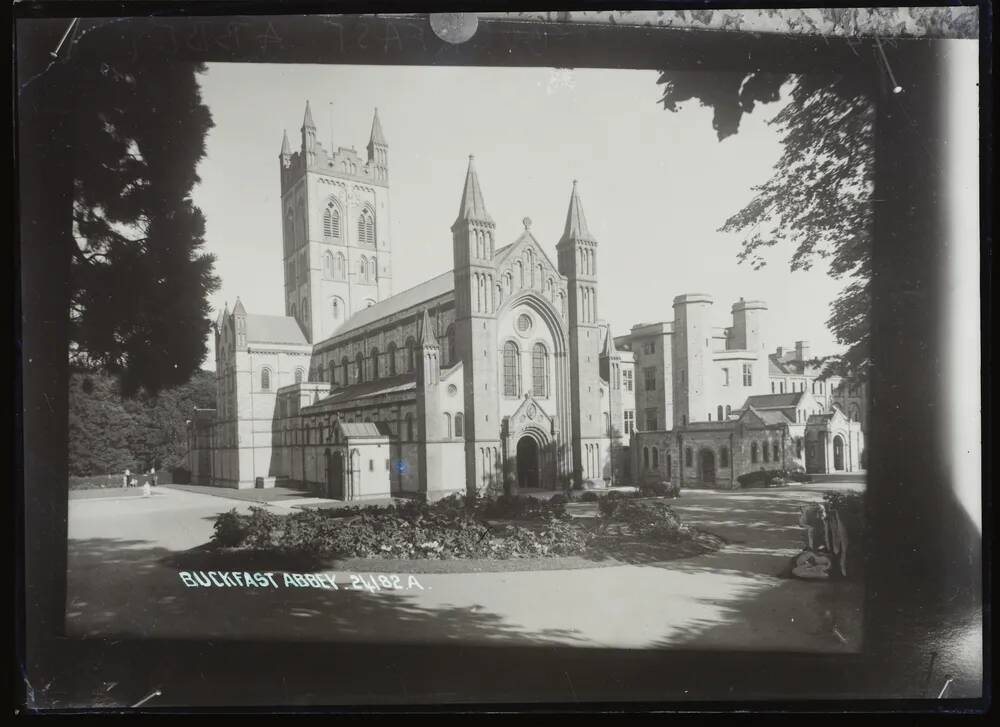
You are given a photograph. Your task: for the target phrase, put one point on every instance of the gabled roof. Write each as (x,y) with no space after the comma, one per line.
(525,238)
(410,298)
(427,337)
(274,329)
(768,418)
(774,401)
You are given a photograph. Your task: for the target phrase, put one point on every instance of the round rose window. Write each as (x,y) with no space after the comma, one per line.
(524,323)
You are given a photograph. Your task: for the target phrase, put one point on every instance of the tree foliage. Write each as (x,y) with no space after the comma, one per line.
(818,199)
(109,432)
(140,281)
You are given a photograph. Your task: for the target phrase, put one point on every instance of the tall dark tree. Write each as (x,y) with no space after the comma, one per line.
(818,198)
(140,279)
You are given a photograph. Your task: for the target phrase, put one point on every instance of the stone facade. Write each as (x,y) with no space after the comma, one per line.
(485,377)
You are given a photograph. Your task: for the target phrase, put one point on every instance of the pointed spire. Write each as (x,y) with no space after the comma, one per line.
(473,207)
(427,337)
(307,120)
(238,309)
(286,148)
(377,137)
(609,345)
(576,222)
(222,317)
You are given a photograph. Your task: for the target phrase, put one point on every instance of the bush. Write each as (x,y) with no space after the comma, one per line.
(645,519)
(558,499)
(797,476)
(520,507)
(230,529)
(761,478)
(589,496)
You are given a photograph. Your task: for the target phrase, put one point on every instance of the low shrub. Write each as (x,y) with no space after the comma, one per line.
(519,507)
(230,529)
(589,496)
(796,476)
(762,478)
(558,499)
(652,519)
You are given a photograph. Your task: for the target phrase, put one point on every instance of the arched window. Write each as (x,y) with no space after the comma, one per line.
(548,288)
(305,309)
(798,447)
(670,466)
(607,423)
(519,269)
(729,411)
(656,458)
(562,304)
(645,458)
(339,266)
(366,227)
(539,371)
(447,425)
(719,412)
(753,452)
(507,284)
(409,427)
(375,368)
(766,449)
(391,353)
(688,457)
(724,457)
(333,373)
(359,363)
(295,312)
(459,424)
(511,370)
(331,220)
(265,379)
(854,413)
(411,355)
(298,375)
(345,375)
(372,276)
(450,341)
(363,268)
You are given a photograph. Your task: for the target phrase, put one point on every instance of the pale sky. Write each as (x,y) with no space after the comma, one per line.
(655,185)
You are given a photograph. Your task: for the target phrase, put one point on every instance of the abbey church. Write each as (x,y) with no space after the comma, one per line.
(496,375)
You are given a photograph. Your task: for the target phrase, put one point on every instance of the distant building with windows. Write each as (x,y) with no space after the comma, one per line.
(712,402)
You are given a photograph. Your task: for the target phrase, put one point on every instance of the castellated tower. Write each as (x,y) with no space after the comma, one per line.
(577,251)
(337,254)
(691,354)
(473,241)
(748,333)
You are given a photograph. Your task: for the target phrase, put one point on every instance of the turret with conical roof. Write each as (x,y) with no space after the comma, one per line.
(286,150)
(308,135)
(473,207)
(378,149)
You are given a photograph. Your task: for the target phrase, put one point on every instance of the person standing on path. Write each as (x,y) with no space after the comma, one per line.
(126,477)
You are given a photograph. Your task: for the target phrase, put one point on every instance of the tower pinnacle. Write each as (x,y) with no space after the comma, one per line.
(473,206)
(576,222)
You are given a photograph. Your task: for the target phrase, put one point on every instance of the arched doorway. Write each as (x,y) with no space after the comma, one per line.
(706,466)
(527,463)
(838,453)
(335,475)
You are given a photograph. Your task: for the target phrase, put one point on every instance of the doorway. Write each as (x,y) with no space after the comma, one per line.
(838,453)
(335,476)
(707,466)
(527,463)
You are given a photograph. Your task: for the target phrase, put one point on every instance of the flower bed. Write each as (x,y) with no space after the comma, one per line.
(456,527)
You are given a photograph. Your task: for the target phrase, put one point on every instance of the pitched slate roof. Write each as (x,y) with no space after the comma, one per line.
(410,298)
(274,329)
(377,136)
(369,389)
(774,401)
(773,417)
(360,430)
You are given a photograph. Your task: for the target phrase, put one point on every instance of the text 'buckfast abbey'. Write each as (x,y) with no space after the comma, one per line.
(498,375)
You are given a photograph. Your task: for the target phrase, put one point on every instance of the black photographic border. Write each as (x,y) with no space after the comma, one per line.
(927,563)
